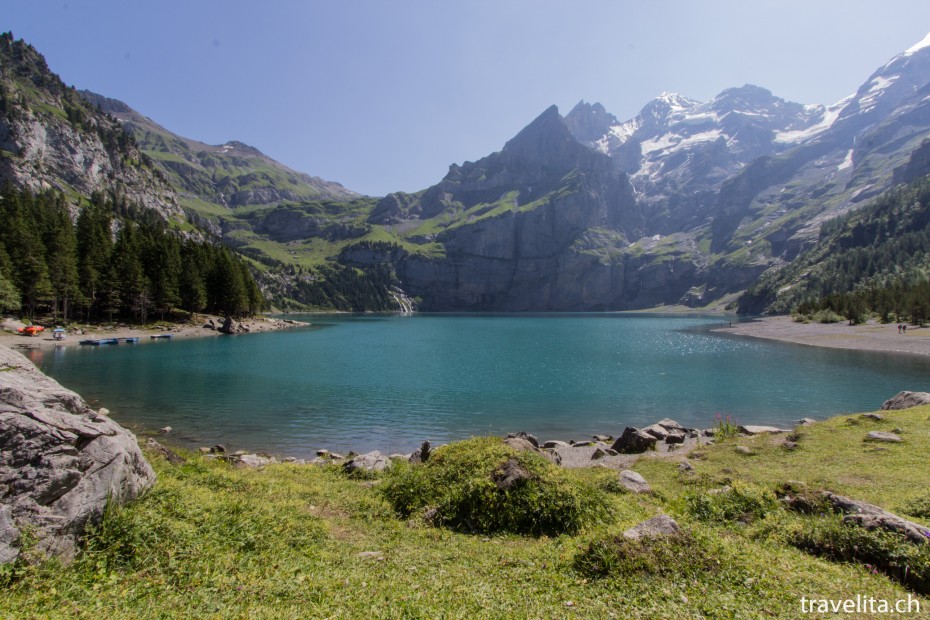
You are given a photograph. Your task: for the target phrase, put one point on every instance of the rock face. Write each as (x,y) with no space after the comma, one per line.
(60,462)
(906,400)
(58,140)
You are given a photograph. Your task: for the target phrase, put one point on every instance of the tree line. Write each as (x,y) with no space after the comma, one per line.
(114,260)
(875,260)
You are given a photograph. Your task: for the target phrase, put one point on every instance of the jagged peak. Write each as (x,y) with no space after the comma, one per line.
(588,122)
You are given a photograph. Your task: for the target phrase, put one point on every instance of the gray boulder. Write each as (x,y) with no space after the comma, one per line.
(671,425)
(634,482)
(657,431)
(372,461)
(229,326)
(253,460)
(872,517)
(521,444)
(554,444)
(762,430)
(60,461)
(656,527)
(881,436)
(906,400)
(634,441)
(524,435)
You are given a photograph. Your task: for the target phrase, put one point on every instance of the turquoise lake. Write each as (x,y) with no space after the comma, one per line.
(389,382)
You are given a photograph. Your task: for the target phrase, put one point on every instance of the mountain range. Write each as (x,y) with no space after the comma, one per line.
(688,203)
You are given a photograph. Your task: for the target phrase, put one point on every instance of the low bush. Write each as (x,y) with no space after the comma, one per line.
(741,502)
(879,551)
(481,485)
(681,556)
(918,507)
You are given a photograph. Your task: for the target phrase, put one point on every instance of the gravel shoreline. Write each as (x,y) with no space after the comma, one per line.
(184,331)
(868,337)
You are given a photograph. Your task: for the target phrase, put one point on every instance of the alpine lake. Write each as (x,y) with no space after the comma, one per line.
(388,382)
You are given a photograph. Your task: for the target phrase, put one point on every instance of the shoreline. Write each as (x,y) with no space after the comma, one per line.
(192,329)
(871,337)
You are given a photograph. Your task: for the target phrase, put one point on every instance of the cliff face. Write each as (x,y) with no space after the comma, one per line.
(544,224)
(51,138)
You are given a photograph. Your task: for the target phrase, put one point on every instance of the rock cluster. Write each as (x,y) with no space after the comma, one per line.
(60,461)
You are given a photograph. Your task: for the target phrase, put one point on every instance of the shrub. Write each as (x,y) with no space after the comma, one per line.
(919,507)
(724,427)
(827,316)
(483,485)
(880,551)
(741,502)
(681,556)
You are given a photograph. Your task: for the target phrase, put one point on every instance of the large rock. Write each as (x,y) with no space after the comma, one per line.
(906,400)
(872,517)
(372,461)
(656,527)
(634,441)
(229,326)
(762,430)
(60,461)
(634,482)
(882,436)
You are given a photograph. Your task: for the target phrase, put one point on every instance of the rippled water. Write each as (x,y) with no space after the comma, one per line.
(388,382)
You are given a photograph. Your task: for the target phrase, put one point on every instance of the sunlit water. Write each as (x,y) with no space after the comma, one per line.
(388,382)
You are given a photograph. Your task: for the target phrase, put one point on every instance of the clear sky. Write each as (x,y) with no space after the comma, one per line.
(382,95)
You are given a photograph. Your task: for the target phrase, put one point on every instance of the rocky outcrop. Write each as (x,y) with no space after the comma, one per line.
(660,526)
(906,400)
(60,462)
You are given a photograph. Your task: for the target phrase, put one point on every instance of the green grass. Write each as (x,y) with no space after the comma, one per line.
(213,541)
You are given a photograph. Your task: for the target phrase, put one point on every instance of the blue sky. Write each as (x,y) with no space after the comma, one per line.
(384,95)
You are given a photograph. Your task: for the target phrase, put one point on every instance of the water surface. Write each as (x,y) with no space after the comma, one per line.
(388,382)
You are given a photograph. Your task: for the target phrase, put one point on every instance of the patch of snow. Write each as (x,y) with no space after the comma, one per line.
(674,142)
(847,162)
(925,42)
(829,117)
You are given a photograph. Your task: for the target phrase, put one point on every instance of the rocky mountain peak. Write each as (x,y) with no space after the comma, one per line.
(108,105)
(589,121)
(746,98)
(548,143)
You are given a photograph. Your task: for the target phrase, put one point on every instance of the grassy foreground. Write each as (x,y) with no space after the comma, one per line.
(211,541)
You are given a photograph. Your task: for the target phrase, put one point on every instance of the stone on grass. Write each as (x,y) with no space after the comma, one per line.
(685,467)
(761,430)
(520,444)
(872,517)
(906,400)
(369,462)
(745,451)
(884,437)
(62,463)
(253,460)
(873,416)
(510,474)
(172,457)
(634,482)
(634,441)
(524,435)
(656,527)
(806,421)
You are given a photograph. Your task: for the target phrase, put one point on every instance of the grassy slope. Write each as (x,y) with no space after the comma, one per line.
(211,541)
